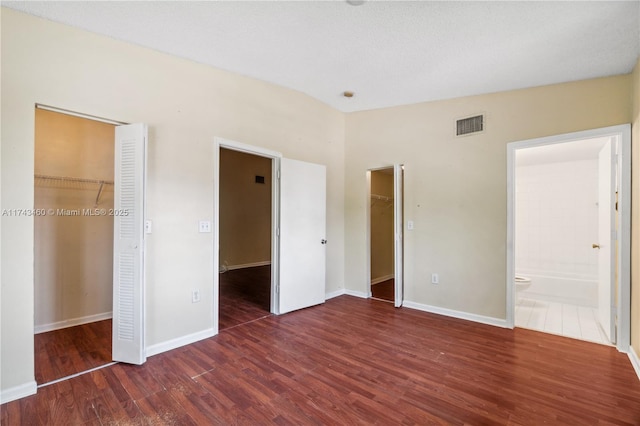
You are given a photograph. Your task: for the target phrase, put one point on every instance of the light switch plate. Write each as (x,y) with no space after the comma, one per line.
(204,226)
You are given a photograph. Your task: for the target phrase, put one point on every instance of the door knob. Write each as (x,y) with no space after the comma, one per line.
(595,246)
(323,242)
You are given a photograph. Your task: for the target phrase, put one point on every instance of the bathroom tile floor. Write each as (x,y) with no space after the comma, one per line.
(578,322)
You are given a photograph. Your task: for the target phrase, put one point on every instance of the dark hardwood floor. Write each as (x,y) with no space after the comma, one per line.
(353,361)
(245,295)
(71,350)
(384,290)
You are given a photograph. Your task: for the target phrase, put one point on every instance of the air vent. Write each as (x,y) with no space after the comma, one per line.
(469,125)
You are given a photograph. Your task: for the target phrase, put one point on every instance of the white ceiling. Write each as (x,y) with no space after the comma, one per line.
(387,52)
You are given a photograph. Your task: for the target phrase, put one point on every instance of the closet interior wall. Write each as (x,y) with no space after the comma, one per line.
(74,168)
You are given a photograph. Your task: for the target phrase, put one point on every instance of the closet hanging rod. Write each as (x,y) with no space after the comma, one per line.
(73,179)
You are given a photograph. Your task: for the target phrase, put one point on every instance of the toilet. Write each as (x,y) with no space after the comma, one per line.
(522,283)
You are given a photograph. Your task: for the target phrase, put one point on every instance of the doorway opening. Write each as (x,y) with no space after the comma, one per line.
(385,224)
(73,241)
(381,229)
(568,235)
(297,229)
(245,223)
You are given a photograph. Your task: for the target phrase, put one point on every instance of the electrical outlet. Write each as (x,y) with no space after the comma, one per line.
(435,279)
(195,296)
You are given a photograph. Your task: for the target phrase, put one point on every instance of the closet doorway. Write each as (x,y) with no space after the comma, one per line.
(385,234)
(73,240)
(245,274)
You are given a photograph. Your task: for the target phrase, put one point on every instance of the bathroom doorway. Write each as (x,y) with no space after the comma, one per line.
(569,235)
(385,222)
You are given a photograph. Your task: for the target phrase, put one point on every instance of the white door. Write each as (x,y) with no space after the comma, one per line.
(398,176)
(128,244)
(302,235)
(606,240)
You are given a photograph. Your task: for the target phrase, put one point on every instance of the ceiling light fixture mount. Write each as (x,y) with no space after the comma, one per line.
(347,94)
(356,2)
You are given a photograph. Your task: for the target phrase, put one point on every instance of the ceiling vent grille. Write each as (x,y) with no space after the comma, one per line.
(469,125)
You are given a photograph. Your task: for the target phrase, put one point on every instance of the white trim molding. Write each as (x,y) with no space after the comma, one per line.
(179,342)
(333,294)
(248,265)
(359,294)
(382,279)
(635,360)
(72,322)
(497,322)
(17,392)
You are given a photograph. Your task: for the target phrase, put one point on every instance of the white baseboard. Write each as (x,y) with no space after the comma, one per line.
(379,280)
(456,314)
(635,360)
(333,294)
(43,328)
(360,294)
(181,341)
(17,392)
(248,265)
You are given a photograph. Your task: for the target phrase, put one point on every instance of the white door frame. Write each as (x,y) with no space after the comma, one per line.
(623,133)
(398,239)
(275,219)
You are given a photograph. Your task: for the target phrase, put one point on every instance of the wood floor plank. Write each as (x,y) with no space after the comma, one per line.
(71,350)
(245,295)
(353,361)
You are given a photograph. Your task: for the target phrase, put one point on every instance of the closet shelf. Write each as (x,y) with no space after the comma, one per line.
(66,182)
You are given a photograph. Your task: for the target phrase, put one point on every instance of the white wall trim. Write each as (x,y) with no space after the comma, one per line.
(382,279)
(333,294)
(17,392)
(248,265)
(179,342)
(72,322)
(457,314)
(635,360)
(360,294)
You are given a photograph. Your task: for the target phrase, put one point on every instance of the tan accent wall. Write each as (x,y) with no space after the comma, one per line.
(455,188)
(635,211)
(73,254)
(245,209)
(382,226)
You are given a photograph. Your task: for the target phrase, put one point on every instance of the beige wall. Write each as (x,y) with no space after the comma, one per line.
(245,209)
(382,250)
(73,255)
(185,105)
(635,212)
(455,188)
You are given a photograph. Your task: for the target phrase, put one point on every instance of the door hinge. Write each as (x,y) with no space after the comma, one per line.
(277,232)
(278,174)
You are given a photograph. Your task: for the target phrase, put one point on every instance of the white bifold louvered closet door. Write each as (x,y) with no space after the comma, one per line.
(128,244)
